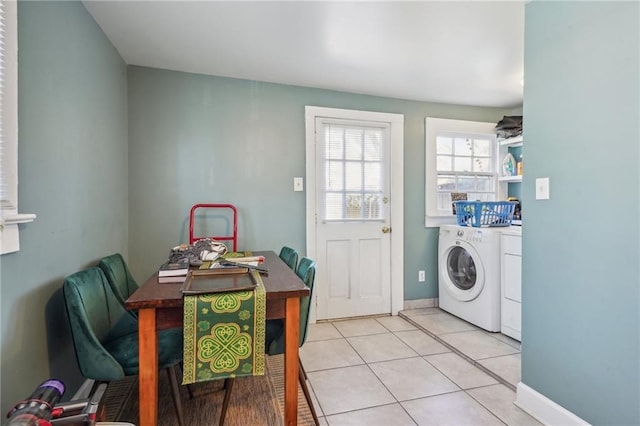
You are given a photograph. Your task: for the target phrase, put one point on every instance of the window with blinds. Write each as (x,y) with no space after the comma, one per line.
(8,109)
(353,165)
(9,216)
(3,181)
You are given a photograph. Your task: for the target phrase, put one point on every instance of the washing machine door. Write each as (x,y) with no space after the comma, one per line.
(462,271)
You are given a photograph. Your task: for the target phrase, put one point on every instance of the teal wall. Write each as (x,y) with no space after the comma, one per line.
(72,174)
(196,138)
(581,292)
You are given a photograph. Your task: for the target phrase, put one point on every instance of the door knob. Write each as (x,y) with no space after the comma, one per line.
(386,229)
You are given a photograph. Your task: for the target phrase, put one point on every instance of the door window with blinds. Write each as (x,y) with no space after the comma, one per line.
(353,167)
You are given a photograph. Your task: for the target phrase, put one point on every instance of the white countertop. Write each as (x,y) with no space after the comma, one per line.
(512,230)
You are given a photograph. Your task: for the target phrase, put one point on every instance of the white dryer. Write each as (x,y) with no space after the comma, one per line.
(469,274)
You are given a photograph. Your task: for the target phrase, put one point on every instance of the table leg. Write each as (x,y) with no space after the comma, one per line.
(292,329)
(148,361)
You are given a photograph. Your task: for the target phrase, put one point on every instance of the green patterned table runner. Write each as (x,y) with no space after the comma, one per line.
(224,334)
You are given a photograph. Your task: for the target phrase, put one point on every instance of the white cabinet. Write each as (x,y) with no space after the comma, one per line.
(511,282)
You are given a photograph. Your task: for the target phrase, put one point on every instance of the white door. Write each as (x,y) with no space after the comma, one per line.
(352,228)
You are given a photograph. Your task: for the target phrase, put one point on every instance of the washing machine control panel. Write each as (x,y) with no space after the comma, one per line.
(471,234)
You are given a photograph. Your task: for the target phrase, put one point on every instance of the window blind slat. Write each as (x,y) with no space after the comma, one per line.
(353,172)
(8,108)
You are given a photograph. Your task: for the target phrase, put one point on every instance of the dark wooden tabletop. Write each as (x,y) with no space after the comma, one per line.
(280,283)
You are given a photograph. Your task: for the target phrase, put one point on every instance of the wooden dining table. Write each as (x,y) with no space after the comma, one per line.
(159,307)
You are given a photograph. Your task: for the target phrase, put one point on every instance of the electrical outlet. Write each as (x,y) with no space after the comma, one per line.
(298,184)
(421,276)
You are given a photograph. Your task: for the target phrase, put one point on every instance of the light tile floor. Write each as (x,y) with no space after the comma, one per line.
(386,371)
(494,353)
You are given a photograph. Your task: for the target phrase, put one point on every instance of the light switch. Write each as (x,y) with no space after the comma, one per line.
(298,184)
(542,188)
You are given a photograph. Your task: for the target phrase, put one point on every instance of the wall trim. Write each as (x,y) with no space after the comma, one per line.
(544,409)
(421,303)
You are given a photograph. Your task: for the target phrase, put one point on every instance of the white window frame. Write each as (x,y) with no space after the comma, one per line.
(9,216)
(442,126)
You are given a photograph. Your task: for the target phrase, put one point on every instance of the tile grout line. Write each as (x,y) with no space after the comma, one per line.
(483,405)
(457,351)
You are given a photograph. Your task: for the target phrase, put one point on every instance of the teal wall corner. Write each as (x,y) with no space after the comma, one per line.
(72,175)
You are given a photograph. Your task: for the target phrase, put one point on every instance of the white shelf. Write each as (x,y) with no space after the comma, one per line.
(503,146)
(514,141)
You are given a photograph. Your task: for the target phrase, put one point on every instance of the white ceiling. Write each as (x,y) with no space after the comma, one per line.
(468,53)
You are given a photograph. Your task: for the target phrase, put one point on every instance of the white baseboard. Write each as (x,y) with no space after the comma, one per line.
(544,409)
(420,303)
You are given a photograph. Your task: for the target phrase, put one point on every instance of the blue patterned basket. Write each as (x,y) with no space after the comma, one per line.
(484,213)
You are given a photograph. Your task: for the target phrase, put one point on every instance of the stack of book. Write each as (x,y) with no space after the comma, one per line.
(173,272)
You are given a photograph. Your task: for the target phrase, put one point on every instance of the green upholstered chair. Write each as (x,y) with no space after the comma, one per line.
(105,336)
(119,277)
(289,256)
(306,270)
(123,284)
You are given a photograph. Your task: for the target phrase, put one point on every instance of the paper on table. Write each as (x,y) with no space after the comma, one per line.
(245,259)
(235,263)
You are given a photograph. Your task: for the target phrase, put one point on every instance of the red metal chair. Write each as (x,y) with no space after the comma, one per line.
(233,237)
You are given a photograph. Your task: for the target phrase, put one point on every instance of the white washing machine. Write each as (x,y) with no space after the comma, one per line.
(469,274)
